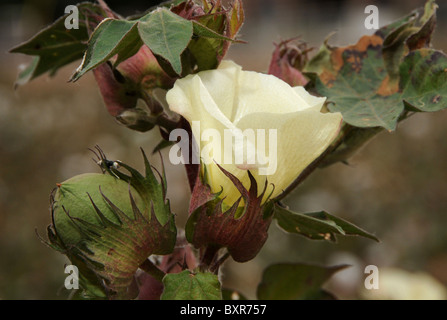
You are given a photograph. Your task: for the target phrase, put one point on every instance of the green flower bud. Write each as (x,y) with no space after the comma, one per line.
(109,224)
(72,201)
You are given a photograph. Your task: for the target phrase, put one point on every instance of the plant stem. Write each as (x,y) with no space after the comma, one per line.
(166,123)
(153,106)
(208,257)
(152,270)
(157,111)
(215,267)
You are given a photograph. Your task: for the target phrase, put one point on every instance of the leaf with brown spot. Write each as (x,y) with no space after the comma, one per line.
(354,85)
(374,81)
(424,80)
(411,33)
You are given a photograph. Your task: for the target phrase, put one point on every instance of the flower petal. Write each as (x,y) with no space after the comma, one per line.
(301,137)
(239,93)
(265,93)
(311,100)
(222,86)
(194,102)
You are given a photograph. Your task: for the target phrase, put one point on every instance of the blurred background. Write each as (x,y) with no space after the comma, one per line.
(396,187)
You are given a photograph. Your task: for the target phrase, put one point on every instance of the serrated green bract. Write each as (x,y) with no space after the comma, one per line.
(317,225)
(295,282)
(152,191)
(188,285)
(167,35)
(70,198)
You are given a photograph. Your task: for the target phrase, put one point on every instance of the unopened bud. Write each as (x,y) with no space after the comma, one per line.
(287,62)
(109,224)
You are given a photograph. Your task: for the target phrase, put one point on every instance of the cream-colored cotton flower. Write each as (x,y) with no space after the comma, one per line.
(246,120)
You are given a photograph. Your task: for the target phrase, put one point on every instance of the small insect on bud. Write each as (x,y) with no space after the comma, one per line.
(109,164)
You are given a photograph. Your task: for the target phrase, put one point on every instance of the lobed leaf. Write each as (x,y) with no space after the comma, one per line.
(191,286)
(167,35)
(55,46)
(109,38)
(373,82)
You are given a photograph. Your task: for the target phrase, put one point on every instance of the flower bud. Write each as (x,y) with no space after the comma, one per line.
(204,53)
(109,224)
(241,230)
(118,94)
(133,79)
(188,10)
(287,62)
(73,200)
(144,70)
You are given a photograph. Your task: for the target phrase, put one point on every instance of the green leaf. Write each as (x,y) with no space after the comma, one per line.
(205,53)
(191,286)
(366,98)
(369,82)
(167,35)
(424,80)
(56,46)
(317,225)
(295,282)
(111,37)
(385,31)
(359,89)
(410,33)
(175,2)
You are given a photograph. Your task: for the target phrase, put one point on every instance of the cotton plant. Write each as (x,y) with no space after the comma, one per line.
(246,140)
